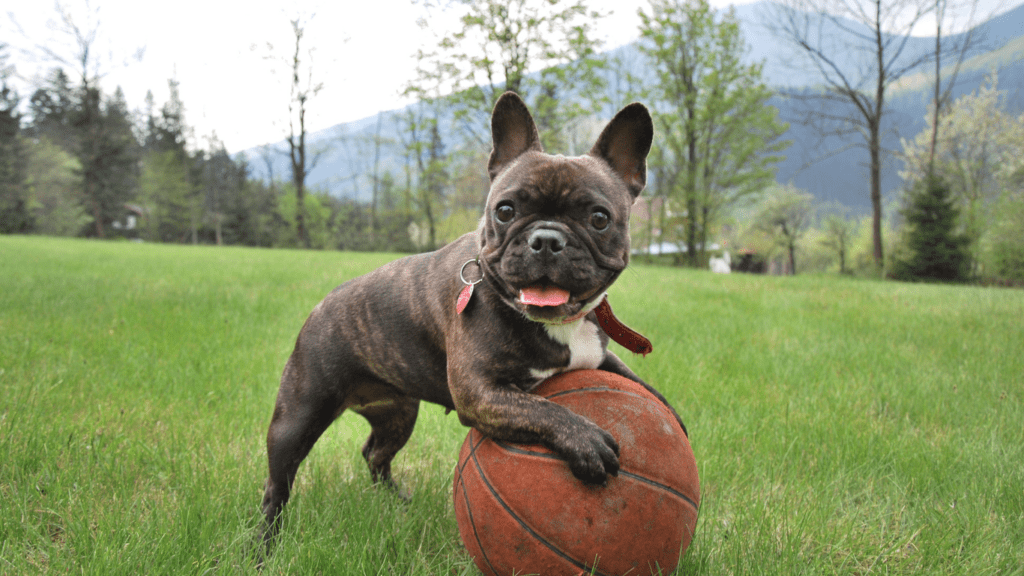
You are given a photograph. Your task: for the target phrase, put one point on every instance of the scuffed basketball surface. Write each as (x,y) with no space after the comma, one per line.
(521,511)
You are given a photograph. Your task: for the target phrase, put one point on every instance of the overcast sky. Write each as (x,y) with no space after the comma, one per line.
(217,49)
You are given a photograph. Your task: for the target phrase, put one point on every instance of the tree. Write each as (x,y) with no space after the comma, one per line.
(318,215)
(165,190)
(171,186)
(424,153)
(717,133)
(221,183)
(500,43)
(785,216)
(54,188)
(303,88)
(100,127)
(961,45)
(973,151)
(1007,242)
(859,49)
(838,232)
(15,216)
(50,109)
(937,251)
(168,132)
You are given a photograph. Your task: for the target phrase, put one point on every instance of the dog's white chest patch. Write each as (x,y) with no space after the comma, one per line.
(585,350)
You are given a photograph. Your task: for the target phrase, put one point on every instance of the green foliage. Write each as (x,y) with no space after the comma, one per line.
(15,216)
(937,251)
(499,43)
(716,133)
(838,231)
(166,192)
(783,218)
(55,186)
(107,152)
(51,107)
(978,150)
(317,219)
(840,426)
(1007,237)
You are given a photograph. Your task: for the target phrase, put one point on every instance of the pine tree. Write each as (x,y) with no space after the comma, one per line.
(51,108)
(937,250)
(15,216)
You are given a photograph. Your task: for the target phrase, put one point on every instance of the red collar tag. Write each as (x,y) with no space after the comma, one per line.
(467,290)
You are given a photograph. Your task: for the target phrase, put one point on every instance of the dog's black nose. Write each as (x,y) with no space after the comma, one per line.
(545,239)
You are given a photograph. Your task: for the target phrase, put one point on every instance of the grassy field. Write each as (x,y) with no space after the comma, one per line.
(840,426)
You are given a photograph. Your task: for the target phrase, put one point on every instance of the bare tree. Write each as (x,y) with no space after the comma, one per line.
(958,47)
(302,89)
(859,48)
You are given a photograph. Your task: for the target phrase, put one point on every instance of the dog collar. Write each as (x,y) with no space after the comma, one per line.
(624,335)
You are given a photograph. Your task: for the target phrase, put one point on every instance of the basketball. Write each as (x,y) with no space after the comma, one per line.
(520,510)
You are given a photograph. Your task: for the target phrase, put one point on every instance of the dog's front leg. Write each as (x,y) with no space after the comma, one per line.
(504,412)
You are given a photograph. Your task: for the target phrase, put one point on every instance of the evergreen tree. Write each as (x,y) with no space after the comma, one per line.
(937,250)
(51,107)
(165,192)
(14,210)
(172,177)
(169,132)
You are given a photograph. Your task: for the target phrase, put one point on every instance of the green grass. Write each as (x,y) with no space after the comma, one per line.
(840,426)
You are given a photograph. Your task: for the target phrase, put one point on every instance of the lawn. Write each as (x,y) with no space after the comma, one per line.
(840,426)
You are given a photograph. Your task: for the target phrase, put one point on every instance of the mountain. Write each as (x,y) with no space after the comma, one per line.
(830,169)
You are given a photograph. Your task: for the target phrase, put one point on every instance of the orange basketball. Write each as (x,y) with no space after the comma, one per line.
(520,510)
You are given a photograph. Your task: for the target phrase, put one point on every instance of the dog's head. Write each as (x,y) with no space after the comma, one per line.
(555,231)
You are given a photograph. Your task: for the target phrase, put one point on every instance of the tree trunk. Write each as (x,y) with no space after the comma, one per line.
(876,197)
(298,156)
(938,85)
(875,144)
(691,192)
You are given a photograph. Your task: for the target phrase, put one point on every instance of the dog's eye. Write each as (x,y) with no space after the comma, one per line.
(504,213)
(599,219)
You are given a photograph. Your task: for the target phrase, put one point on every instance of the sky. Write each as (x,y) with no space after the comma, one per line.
(227,55)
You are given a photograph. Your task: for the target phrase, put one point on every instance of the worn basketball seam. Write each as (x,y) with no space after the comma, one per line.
(632,393)
(523,524)
(465,496)
(655,483)
(596,389)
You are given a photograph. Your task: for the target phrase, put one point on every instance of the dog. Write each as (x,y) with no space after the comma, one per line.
(477,324)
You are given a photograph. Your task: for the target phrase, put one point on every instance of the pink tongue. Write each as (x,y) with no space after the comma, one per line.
(543,296)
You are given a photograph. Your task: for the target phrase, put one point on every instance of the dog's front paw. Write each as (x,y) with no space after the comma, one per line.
(591,452)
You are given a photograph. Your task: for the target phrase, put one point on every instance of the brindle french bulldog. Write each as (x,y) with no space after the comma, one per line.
(477,324)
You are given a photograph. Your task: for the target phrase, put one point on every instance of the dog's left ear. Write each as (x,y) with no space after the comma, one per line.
(624,144)
(513,132)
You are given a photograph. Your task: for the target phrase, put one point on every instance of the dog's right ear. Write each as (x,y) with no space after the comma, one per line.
(513,132)
(625,143)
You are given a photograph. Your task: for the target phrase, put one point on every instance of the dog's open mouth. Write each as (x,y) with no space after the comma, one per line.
(550,304)
(543,296)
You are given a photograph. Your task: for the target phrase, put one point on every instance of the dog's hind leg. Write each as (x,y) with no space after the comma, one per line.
(296,425)
(391,421)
